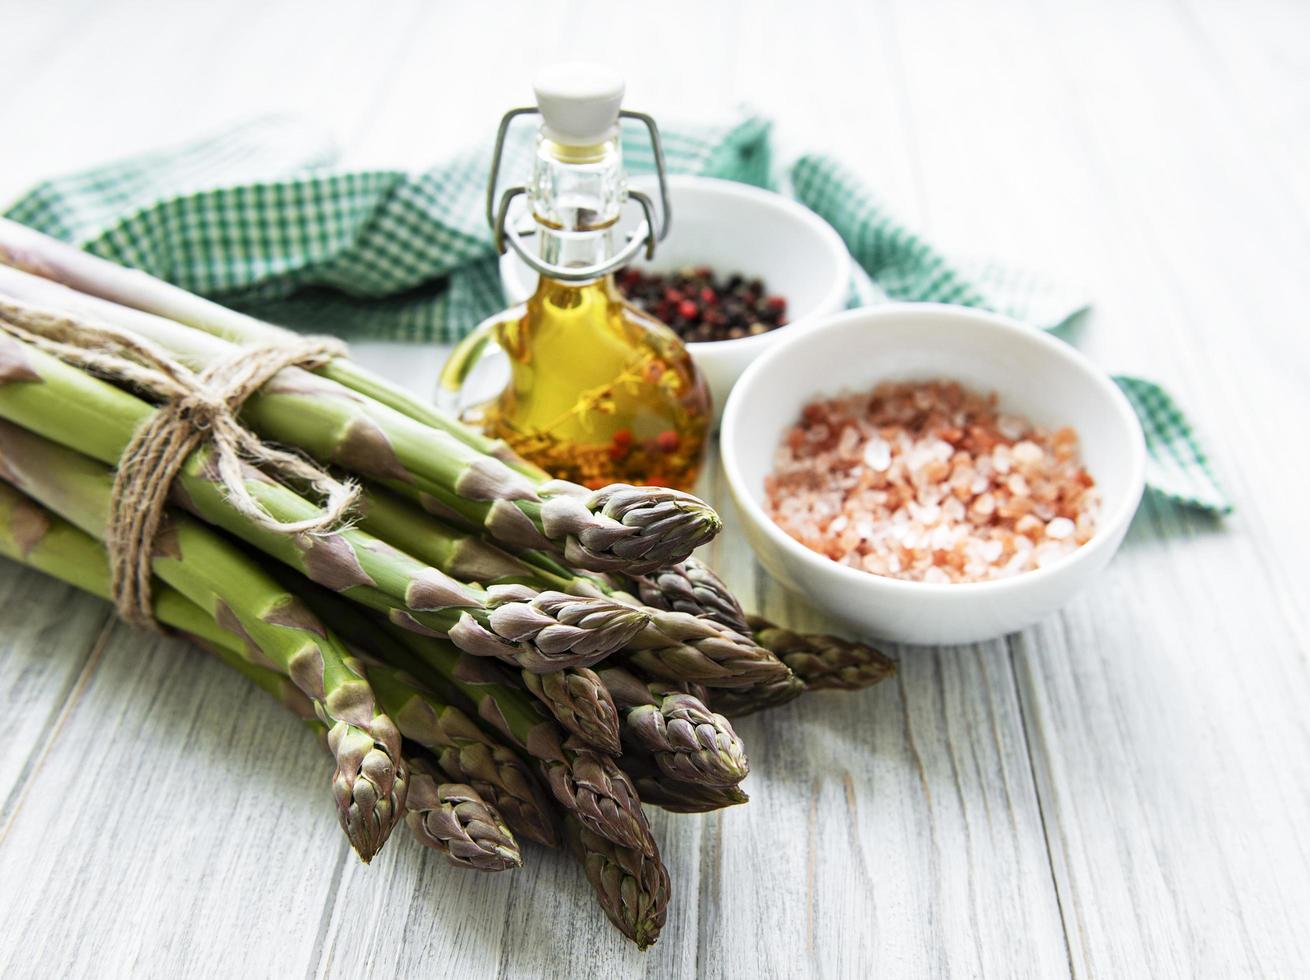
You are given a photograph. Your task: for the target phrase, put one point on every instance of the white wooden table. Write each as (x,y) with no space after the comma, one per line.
(1121,791)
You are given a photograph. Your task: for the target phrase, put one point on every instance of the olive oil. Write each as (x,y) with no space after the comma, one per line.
(599,392)
(596,391)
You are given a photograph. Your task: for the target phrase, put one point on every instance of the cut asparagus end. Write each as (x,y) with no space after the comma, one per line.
(454,819)
(370,784)
(633,888)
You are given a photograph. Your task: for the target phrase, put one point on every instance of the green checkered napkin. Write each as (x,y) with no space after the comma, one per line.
(260,218)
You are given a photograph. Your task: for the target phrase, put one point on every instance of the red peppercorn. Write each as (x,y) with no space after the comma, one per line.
(623,438)
(699,307)
(667,441)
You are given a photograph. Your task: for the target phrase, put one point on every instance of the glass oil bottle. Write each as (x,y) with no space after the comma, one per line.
(595,390)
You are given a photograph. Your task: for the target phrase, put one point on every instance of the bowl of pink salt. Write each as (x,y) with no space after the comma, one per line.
(932,474)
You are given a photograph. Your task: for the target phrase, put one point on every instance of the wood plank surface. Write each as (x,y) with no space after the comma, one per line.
(1120,791)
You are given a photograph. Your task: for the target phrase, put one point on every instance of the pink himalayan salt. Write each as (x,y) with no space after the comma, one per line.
(925,481)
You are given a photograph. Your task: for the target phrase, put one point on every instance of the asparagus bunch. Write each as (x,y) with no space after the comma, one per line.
(499,654)
(542,631)
(615,528)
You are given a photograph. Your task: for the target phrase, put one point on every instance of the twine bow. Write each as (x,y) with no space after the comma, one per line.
(196,408)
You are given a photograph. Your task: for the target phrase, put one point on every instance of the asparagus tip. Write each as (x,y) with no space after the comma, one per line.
(454,819)
(370,784)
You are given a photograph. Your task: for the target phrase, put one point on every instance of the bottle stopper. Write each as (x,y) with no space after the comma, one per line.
(579,102)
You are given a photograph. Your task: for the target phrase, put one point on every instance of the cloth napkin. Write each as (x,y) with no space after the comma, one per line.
(260,217)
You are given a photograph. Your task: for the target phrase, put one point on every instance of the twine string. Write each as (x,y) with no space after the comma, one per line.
(196,409)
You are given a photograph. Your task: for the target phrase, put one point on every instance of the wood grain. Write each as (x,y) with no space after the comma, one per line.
(1123,790)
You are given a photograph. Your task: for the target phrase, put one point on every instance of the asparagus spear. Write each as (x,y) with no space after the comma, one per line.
(425,712)
(574,697)
(737,702)
(824,662)
(675,795)
(465,752)
(615,528)
(679,647)
(581,703)
(540,632)
(448,817)
(370,780)
(633,887)
(451,818)
(454,819)
(692,587)
(687,741)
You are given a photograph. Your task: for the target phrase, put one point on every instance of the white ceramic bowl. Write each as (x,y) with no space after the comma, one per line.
(1035,376)
(734,227)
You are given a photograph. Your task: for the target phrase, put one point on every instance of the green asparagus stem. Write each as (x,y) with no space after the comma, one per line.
(370,780)
(633,887)
(619,527)
(687,741)
(539,632)
(823,662)
(465,752)
(37,254)
(692,587)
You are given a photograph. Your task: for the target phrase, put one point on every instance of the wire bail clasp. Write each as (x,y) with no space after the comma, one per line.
(646,235)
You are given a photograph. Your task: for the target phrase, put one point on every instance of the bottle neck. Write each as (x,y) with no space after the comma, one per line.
(574,249)
(576,194)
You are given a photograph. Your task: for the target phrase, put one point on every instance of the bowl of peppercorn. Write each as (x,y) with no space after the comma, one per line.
(741,268)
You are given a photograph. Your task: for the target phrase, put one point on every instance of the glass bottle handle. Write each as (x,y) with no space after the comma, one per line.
(463,361)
